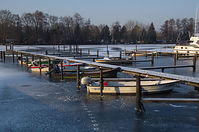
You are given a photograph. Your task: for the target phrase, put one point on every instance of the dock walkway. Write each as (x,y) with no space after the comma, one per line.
(135,71)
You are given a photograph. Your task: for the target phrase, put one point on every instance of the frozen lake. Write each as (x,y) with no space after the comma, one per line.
(30,102)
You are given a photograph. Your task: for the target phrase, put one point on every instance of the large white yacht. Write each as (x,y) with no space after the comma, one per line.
(192,47)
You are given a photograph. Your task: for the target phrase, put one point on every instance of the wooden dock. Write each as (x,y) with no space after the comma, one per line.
(137,72)
(134,71)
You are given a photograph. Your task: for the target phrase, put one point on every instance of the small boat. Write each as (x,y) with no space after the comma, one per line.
(35,65)
(88,72)
(114,60)
(23,61)
(129,87)
(44,68)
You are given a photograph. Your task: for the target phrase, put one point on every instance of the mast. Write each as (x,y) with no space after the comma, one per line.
(196,19)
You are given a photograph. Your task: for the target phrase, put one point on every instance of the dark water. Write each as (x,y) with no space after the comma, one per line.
(31,102)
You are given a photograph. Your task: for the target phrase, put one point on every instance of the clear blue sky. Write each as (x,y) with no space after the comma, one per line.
(108,11)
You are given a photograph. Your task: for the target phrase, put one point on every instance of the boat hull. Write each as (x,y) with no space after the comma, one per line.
(186,49)
(119,61)
(147,87)
(37,69)
(94,74)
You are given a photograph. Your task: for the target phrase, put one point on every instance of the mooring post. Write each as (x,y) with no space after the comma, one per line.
(174,59)
(194,63)
(6,47)
(97,53)
(120,54)
(78,77)
(21,58)
(4,56)
(134,55)
(1,55)
(33,58)
(40,65)
(138,107)
(107,52)
(88,51)
(49,67)
(176,55)
(152,59)
(125,52)
(101,82)
(62,71)
(13,56)
(27,61)
(80,52)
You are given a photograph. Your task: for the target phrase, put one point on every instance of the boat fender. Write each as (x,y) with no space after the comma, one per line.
(86,80)
(105,83)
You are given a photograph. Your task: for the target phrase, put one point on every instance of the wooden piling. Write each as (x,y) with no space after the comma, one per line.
(89,51)
(174,59)
(176,55)
(40,65)
(120,54)
(21,57)
(134,55)
(101,82)
(27,61)
(80,52)
(125,52)
(194,63)
(4,56)
(6,47)
(152,59)
(49,67)
(138,107)
(78,77)
(13,56)
(62,71)
(33,58)
(97,53)
(146,54)
(1,55)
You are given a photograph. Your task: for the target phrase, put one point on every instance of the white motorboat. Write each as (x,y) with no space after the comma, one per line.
(192,47)
(129,87)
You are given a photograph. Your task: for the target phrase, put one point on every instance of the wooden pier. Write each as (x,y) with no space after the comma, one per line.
(137,72)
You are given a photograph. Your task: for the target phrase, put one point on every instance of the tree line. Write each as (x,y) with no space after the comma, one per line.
(41,28)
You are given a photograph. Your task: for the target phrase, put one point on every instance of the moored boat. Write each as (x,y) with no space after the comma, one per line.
(35,65)
(114,60)
(123,87)
(90,72)
(192,46)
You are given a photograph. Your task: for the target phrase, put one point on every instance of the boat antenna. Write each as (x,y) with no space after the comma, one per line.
(196,19)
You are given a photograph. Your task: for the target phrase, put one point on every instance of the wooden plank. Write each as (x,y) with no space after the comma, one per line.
(165,67)
(125,79)
(184,100)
